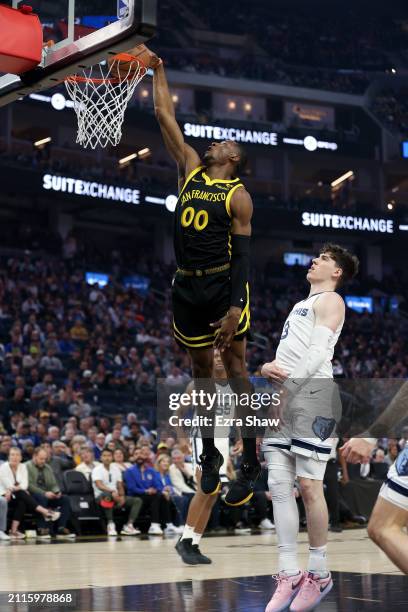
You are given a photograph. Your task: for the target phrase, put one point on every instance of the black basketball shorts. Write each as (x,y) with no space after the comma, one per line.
(199,301)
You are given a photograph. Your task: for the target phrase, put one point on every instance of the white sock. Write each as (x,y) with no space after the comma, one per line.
(197,538)
(318,560)
(288,562)
(187,533)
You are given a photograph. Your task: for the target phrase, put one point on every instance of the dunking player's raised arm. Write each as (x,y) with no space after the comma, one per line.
(186,157)
(359,449)
(241,209)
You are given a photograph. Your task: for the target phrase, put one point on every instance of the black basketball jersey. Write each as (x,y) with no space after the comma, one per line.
(202,237)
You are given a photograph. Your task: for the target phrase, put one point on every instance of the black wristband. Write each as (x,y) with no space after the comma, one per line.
(239,269)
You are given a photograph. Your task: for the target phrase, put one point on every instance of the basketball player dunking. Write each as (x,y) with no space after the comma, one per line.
(306,437)
(210,288)
(390,515)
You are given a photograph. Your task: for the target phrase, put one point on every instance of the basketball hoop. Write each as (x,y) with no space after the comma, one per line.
(101,94)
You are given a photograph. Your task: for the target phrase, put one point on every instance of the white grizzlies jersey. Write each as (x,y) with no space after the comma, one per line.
(395,488)
(296,337)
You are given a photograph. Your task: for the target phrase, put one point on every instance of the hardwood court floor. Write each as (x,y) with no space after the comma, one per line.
(147,575)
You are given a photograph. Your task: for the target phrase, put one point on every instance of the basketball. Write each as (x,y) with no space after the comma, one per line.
(126,64)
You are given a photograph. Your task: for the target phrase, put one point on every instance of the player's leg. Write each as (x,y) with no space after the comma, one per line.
(318,581)
(281,480)
(199,513)
(386,530)
(211,459)
(234,360)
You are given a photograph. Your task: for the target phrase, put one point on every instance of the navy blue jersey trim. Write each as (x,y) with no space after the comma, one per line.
(314,447)
(396,487)
(278,445)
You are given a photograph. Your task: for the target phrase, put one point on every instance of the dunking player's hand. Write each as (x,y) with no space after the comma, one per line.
(149,58)
(227,328)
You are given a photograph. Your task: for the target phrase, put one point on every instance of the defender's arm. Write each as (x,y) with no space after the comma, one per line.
(329,313)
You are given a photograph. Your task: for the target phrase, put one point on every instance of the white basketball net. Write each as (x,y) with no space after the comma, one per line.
(101,95)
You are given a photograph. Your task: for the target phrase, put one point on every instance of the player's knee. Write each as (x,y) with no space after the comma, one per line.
(373,531)
(312,490)
(281,489)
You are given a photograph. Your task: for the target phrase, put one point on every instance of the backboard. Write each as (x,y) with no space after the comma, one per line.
(84,32)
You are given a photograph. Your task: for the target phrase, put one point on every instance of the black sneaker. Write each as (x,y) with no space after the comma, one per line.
(186,552)
(242,489)
(210,477)
(202,559)
(335,528)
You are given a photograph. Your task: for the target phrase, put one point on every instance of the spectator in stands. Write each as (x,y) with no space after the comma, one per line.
(99,445)
(14,485)
(119,460)
(379,467)
(110,493)
(5,446)
(79,407)
(177,503)
(59,458)
(143,481)
(43,486)
(392,451)
(42,390)
(23,434)
(50,362)
(78,332)
(88,462)
(181,474)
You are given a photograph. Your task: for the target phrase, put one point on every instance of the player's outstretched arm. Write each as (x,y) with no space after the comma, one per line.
(241,215)
(186,157)
(329,313)
(359,449)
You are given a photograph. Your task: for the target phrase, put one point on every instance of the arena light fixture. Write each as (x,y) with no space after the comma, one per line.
(175,98)
(390,206)
(41,143)
(342,178)
(143,152)
(145,93)
(232,105)
(127,159)
(247,107)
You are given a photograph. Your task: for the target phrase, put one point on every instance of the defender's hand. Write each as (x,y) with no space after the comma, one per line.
(357,450)
(273,372)
(227,328)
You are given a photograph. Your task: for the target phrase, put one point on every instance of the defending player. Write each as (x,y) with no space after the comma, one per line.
(201,505)
(306,438)
(210,288)
(390,514)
